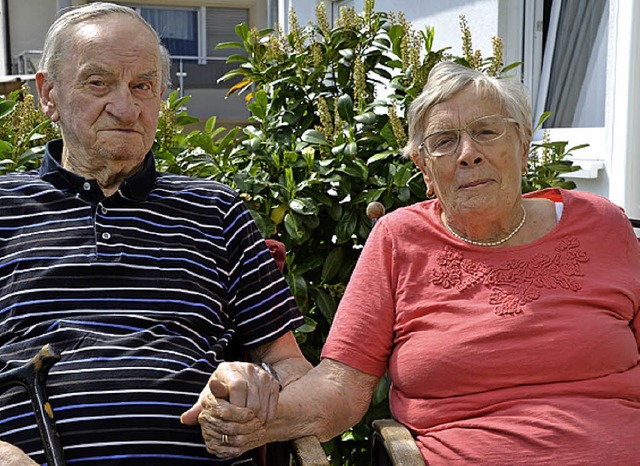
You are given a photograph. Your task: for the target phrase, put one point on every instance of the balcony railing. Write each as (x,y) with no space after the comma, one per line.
(187,72)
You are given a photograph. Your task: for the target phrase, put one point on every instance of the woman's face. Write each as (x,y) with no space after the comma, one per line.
(476,178)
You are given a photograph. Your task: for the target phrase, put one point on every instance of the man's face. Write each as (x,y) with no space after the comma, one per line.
(107,96)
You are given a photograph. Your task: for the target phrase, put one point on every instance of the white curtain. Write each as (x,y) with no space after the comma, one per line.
(171,24)
(573,78)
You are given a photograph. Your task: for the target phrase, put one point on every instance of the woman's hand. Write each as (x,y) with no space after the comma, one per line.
(228,430)
(11,455)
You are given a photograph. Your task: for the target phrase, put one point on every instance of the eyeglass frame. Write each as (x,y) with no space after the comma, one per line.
(459,130)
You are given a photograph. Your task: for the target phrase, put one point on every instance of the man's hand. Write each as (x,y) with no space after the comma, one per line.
(241,399)
(11,455)
(234,407)
(244,385)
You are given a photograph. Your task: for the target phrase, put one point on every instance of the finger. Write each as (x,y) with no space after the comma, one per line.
(190,417)
(219,389)
(236,446)
(229,439)
(273,402)
(262,394)
(238,389)
(218,412)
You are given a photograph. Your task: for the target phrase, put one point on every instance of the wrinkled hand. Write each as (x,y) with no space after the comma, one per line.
(12,456)
(229,431)
(238,402)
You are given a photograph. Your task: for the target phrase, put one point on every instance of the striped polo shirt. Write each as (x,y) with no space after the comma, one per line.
(144,293)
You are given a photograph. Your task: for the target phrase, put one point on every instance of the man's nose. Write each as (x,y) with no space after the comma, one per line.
(468,153)
(123,105)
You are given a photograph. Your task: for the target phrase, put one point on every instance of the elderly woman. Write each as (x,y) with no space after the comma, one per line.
(509,331)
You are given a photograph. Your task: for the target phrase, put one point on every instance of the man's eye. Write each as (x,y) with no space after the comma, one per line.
(143,87)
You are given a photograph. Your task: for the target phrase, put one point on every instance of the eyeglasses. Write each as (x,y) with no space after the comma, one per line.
(483,130)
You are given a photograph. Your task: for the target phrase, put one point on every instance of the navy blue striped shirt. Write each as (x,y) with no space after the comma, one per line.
(144,293)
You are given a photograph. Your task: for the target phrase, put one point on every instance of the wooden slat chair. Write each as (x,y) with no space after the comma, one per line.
(392,443)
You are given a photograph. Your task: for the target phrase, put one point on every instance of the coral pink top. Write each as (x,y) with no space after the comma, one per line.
(525,354)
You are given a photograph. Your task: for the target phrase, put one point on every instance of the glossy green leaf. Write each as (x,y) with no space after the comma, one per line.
(304,206)
(293,226)
(313,136)
(346,226)
(332,264)
(345,107)
(326,304)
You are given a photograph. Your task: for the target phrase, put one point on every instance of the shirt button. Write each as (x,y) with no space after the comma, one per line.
(103,209)
(86,186)
(106,236)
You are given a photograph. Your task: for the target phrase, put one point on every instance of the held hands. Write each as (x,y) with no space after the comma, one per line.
(11,455)
(234,408)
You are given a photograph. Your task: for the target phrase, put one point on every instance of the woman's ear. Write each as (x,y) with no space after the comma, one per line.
(421,163)
(45,94)
(525,158)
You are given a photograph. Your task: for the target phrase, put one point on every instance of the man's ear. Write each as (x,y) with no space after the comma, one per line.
(47,102)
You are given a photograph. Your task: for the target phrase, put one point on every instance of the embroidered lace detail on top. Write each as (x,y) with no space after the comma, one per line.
(516,282)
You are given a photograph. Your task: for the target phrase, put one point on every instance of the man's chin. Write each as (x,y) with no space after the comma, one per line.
(123,148)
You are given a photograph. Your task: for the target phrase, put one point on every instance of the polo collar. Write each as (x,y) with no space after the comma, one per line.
(137,187)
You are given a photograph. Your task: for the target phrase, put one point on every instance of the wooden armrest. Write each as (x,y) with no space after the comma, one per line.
(307,451)
(398,442)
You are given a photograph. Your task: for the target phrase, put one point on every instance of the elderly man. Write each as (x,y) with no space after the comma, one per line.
(144,281)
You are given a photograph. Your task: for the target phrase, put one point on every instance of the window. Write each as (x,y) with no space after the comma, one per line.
(574,63)
(335,8)
(191,35)
(565,54)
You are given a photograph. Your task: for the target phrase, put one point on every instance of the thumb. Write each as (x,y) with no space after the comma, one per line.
(216,388)
(190,416)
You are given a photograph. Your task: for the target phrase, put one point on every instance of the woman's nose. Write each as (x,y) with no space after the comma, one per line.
(468,153)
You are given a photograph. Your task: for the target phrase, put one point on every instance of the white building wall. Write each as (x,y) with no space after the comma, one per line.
(29,22)
(482,16)
(623,131)
(4,59)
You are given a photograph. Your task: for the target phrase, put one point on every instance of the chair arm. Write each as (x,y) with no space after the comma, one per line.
(307,451)
(398,442)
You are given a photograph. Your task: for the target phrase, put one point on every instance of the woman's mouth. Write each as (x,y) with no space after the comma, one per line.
(473,184)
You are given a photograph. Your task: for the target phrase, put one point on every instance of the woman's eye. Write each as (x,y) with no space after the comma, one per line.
(485,133)
(444,141)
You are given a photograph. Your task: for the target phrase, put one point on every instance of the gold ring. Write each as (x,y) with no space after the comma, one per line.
(225,439)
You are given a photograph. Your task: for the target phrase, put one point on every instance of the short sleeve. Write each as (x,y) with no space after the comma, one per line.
(260,302)
(361,334)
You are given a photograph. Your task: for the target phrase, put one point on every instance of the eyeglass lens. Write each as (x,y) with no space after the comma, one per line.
(482,130)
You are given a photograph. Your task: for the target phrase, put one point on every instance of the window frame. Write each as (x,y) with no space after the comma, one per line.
(612,160)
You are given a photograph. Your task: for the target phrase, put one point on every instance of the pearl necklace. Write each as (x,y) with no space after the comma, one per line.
(490,243)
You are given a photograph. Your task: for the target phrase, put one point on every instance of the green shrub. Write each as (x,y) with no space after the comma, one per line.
(23,132)
(324,139)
